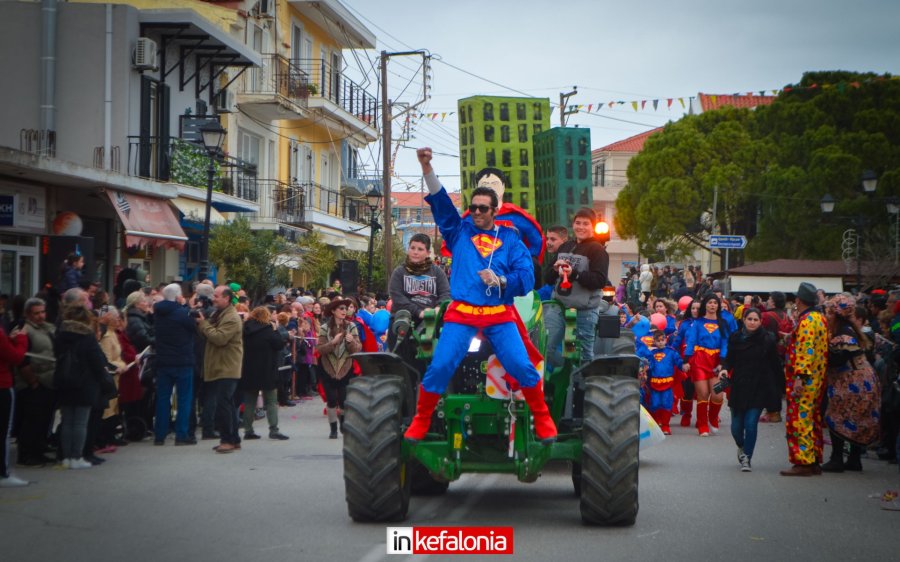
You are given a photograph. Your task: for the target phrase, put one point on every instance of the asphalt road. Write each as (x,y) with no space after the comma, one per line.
(277,501)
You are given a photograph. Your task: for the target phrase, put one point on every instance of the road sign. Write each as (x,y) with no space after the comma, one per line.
(728,241)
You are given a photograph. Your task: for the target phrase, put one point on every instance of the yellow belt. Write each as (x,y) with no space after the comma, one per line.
(705,349)
(480,310)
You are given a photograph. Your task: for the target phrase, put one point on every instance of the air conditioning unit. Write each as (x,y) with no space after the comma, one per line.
(265,9)
(145,54)
(225,102)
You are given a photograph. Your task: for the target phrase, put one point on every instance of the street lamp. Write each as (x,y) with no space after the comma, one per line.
(869,183)
(373,199)
(212,135)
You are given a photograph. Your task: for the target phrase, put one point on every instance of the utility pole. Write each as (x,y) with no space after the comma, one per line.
(386,168)
(563,100)
(712,228)
(386,118)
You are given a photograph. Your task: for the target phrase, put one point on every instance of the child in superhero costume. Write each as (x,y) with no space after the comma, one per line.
(663,361)
(490,266)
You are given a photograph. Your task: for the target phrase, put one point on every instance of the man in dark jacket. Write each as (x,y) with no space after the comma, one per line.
(585,265)
(174,364)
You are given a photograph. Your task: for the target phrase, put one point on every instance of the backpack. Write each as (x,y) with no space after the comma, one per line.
(67,375)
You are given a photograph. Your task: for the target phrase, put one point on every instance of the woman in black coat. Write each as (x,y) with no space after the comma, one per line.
(80,366)
(263,347)
(753,362)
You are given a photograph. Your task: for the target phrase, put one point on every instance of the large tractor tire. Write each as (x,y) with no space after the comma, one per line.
(376,483)
(609,460)
(422,483)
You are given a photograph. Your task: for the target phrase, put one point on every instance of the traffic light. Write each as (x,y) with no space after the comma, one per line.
(601,231)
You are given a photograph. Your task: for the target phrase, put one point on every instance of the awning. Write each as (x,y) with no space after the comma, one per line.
(195,211)
(148,221)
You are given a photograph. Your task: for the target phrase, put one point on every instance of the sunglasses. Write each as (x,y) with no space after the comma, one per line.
(479,209)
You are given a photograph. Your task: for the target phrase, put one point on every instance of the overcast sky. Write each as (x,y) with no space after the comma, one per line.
(624,50)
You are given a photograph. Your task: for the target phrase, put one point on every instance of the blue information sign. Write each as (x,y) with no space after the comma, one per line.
(728,241)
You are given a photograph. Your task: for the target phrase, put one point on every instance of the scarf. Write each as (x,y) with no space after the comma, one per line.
(418,268)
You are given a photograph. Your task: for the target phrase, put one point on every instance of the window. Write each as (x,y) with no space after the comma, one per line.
(469,114)
(465,181)
(472,134)
(504,133)
(464,154)
(523,178)
(462,116)
(523,157)
(507,157)
(570,197)
(567,145)
(537,111)
(536,129)
(570,173)
(521,115)
(488,133)
(582,147)
(523,200)
(523,133)
(600,174)
(582,169)
(490,158)
(504,112)
(488,111)
(471,156)
(584,196)
(464,136)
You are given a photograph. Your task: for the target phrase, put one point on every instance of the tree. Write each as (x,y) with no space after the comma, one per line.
(317,260)
(249,257)
(770,166)
(380,277)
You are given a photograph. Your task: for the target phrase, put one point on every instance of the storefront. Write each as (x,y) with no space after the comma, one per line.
(23,217)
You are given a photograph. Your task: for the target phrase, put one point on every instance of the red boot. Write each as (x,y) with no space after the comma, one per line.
(714,408)
(544,428)
(418,428)
(687,407)
(662,417)
(702,418)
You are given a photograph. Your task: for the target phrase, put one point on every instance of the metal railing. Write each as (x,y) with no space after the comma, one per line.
(277,76)
(173,159)
(114,161)
(327,82)
(284,204)
(37,141)
(334,203)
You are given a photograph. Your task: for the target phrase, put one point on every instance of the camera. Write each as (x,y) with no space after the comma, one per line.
(720,386)
(194,312)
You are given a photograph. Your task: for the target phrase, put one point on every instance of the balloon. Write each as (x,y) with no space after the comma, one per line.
(67,223)
(641,328)
(380,321)
(684,302)
(658,321)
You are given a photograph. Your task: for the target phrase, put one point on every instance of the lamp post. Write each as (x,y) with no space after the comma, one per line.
(869,183)
(373,198)
(212,136)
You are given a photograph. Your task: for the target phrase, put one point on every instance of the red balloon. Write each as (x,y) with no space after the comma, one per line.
(684,302)
(658,321)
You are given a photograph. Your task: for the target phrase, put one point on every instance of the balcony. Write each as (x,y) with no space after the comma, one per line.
(284,204)
(169,159)
(340,99)
(277,90)
(332,208)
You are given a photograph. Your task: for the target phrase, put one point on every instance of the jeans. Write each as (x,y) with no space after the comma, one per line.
(743,428)
(585,330)
(270,399)
(34,409)
(208,415)
(182,378)
(226,413)
(73,430)
(7,407)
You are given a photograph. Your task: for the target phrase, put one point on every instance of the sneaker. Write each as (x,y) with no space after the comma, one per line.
(278,436)
(186,441)
(745,463)
(249,435)
(78,464)
(704,434)
(13,482)
(95,460)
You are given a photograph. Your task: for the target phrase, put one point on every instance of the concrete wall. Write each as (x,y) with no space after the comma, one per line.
(20,59)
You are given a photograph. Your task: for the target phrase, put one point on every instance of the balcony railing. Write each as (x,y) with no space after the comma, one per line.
(285,203)
(278,76)
(334,203)
(173,159)
(327,82)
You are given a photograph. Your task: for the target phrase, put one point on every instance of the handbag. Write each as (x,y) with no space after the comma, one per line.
(108,388)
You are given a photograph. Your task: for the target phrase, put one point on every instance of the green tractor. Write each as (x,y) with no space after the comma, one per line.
(479,427)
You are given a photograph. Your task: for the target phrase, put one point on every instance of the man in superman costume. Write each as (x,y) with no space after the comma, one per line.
(508,215)
(491,266)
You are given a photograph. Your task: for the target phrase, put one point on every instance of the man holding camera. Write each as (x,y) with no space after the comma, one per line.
(222,361)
